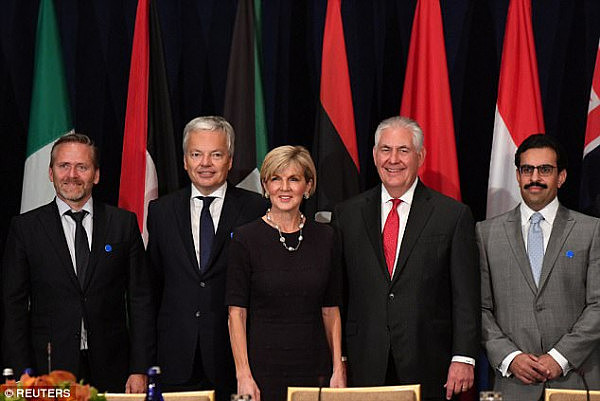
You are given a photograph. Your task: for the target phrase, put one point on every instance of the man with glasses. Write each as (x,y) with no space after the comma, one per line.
(540,283)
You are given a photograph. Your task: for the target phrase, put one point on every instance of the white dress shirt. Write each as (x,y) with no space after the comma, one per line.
(196,206)
(549,214)
(69,227)
(403,212)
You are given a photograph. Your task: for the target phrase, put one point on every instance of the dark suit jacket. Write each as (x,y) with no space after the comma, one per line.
(44,302)
(191,304)
(429,311)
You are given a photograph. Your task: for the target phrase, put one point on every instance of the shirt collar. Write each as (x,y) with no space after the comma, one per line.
(548,212)
(407,197)
(63,207)
(217,193)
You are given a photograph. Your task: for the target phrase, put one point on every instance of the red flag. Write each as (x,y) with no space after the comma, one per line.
(336,150)
(426,98)
(590,178)
(518,108)
(149,155)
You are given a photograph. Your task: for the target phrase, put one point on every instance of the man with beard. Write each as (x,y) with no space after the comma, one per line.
(76,291)
(540,283)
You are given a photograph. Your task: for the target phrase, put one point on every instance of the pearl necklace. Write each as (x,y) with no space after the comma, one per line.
(282,238)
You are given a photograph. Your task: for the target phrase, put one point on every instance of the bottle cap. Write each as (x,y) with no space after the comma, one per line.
(7,372)
(154,370)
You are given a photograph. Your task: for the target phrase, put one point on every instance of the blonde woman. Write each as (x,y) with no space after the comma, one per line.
(283,291)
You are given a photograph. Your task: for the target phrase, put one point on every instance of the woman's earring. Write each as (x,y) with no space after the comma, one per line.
(306,196)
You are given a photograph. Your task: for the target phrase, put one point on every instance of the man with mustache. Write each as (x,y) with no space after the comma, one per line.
(189,232)
(540,283)
(76,289)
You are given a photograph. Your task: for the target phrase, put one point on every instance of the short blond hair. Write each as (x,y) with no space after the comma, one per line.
(285,156)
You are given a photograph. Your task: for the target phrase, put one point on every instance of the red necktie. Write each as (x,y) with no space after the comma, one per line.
(390,236)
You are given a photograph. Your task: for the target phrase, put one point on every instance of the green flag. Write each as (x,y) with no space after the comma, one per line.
(49,116)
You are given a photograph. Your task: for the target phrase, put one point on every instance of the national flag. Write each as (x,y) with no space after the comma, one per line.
(518,108)
(590,174)
(244,102)
(426,98)
(50,113)
(335,149)
(148,166)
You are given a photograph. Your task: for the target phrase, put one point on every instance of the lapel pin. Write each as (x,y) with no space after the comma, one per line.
(570,254)
(231,235)
(108,248)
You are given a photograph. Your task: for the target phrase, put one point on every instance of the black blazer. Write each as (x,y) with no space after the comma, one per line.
(191,304)
(44,302)
(429,311)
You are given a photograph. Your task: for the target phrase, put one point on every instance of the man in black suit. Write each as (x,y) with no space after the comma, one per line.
(412,313)
(187,248)
(85,309)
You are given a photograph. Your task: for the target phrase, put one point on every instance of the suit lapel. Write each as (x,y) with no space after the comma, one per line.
(512,227)
(371,214)
(51,223)
(229,215)
(420,212)
(563,224)
(101,224)
(183,222)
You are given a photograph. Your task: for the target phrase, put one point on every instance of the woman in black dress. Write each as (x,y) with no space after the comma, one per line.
(283,291)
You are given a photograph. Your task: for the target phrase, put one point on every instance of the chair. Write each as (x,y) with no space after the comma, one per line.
(389,393)
(208,395)
(554,394)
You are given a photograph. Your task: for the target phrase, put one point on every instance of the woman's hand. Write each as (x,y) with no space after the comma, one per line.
(338,378)
(247,385)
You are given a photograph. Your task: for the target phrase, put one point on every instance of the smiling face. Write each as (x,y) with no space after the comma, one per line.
(397,160)
(538,191)
(207,160)
(73,173)
(286,188)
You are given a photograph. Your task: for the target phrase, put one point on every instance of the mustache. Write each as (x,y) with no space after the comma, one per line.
(535,184)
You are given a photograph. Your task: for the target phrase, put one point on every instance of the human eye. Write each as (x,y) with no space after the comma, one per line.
(384,149)
(82,168)
(527,169)
(217,155)
(404,150)
(545,169)
(64,166)
(194,154)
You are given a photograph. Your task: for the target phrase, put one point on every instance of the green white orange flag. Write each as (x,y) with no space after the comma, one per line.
(50,114)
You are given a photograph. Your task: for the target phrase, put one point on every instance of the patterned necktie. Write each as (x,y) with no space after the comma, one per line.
(207,231)
(535,246)
(390,236)
(82,248)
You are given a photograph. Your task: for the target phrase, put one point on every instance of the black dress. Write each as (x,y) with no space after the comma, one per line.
(284,292)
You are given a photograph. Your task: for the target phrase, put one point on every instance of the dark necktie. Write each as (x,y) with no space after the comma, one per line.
(390,236)
(207,231)
(82,248)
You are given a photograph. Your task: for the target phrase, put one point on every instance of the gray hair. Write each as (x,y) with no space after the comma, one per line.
(401,122)
(210,123)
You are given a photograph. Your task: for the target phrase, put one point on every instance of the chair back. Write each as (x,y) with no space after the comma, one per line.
(387,393)
(554,394)
(208,395)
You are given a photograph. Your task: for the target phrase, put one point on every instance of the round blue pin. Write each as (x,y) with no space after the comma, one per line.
(107,248)
(570,254)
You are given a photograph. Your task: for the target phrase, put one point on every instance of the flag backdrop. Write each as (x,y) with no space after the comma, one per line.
(590,179)
(244,104)
(518,108)
(335,149)
(50,115)
(426,98)
(148,166)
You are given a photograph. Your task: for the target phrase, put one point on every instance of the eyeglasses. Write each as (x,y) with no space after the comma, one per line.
(544,170)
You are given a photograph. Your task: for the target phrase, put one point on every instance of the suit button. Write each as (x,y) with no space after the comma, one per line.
(197,314)
(202,284)
(539,308)
(391,296)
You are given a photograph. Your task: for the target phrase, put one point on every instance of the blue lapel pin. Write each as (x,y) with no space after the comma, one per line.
(570,254)
(108,248)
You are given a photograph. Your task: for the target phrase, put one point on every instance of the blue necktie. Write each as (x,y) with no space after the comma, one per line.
(82,247)
(535,246)
(207,231)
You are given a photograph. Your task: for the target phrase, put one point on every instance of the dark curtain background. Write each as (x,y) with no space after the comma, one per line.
(97,36)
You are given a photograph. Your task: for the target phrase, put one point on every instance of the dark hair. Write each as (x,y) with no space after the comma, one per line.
(539,141)
(72,137)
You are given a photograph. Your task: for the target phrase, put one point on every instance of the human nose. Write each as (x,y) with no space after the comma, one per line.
(395,156)
(205,160)
(285,185)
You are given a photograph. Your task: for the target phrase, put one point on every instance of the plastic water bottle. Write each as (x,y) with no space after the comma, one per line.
(153,392)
